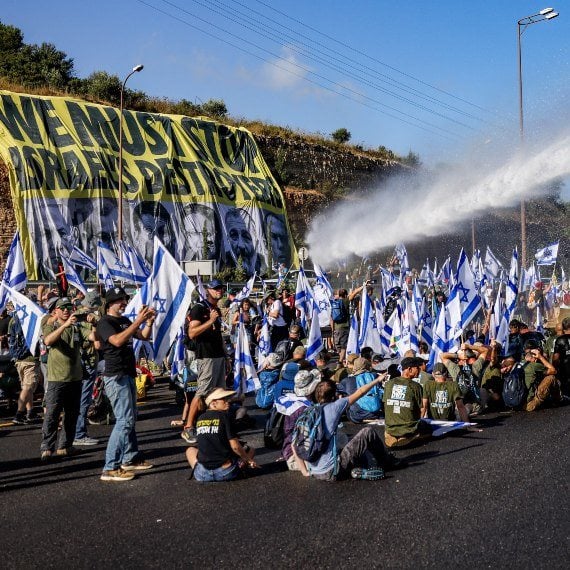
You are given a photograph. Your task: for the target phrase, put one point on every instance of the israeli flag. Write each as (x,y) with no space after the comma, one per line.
(315,341)
(401,254)
(464,301)
(442,337)
(369,333)
(246,290)
(548,254)
(381,325)
(178,362)
(323,302)
(512,290)
(171,293)
(245,375)
(426,276)
(117,268)
(78,257)
(103,271)
(304,298)
(137,266)
(389,280)
(14,275)
(72,275)
(140,298)
(322,279)
(200,287)
(30,316)
(499,324)
(288,404)
(539,322)
(441,427)
(352,346)
(264,343)
(492,265)
(426,322)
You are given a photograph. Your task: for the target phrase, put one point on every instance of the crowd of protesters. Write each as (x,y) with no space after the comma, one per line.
(86,337)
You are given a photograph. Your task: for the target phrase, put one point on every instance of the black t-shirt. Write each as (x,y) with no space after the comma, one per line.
(118,360)
(562,348)
(209,344)
(214,431)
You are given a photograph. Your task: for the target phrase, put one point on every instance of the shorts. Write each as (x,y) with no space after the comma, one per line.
(211,374)
(28,373)
(340,337)
(218,475)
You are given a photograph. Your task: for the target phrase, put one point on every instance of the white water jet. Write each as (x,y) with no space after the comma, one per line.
(426,205)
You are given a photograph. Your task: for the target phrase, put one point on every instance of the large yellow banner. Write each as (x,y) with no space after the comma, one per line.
(202,187)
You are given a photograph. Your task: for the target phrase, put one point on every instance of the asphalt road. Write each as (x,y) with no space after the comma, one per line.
(499,498)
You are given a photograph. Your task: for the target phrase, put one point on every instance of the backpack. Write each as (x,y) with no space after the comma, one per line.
(273,433)
(514,387)
(372,401)
(283,349)
(467,384)
(17,342)
(309,438)
(266,394)
(338,311)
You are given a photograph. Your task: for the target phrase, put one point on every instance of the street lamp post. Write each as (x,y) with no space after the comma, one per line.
(135,70)
(543,16)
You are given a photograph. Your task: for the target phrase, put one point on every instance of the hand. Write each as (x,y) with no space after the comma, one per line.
(70,322)
(214,314)
(252,464)
(145,313)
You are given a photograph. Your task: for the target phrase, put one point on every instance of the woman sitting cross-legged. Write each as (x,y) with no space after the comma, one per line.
(219,455)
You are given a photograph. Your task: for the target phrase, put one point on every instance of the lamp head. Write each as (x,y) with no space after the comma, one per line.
(138,67)
(545,11)
(551,15)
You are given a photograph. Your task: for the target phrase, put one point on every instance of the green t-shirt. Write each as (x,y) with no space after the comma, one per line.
(477,369)
(64,356)
(402,406)
(425,377)
(441,398)
(533,375)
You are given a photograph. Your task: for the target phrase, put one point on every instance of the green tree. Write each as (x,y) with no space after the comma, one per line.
(102,86)
(240,274)
(412,159)
(341,136)
(214,108)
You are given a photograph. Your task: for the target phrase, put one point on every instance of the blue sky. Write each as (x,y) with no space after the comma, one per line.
(458,59)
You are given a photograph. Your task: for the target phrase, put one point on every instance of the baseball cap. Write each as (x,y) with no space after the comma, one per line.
(440,369)
(115,294)
(64,302)
(218,394)
(214,284)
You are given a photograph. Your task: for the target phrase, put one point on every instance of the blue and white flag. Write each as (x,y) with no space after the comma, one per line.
(264,343)
(426,323)
(178,360)
(30,316)
(441,427)
(322,278)
(315,341)
(304,298)
(137,266)
(426,276)
(539,322)
(72,275)
(246,290)
(78,257)
(288,404)
(499,323)
(200,287)
(548,254)
(492,265)
(140,298)
(103,271)
(369,334)
(323,302)
(352,346)
(245,375)
(464,301)
(14,275)
(512,290)
(389,280)
(443,340)
(117,268)
(171,293)
(385,333)
(401,254)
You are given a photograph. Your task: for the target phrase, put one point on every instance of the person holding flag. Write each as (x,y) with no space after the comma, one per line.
(116,333)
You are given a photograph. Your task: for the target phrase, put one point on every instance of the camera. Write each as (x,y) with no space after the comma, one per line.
(81,317)
(372,282)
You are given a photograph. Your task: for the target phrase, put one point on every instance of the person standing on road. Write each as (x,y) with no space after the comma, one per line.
(205,329)
(116,333)
(64,339)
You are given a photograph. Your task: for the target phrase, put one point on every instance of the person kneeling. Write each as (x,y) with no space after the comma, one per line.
(219,455)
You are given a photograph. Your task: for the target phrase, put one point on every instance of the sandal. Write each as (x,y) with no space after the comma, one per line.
(177,423)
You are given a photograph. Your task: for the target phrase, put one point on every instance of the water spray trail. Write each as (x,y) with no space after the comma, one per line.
(410,208)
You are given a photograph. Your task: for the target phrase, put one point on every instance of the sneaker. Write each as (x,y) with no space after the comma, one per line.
(46,455)
(85,441)
(139,465)
(189,436)
(117,475)
(66,452)
(373,474)
(20,420)
(33,418)
(393,463)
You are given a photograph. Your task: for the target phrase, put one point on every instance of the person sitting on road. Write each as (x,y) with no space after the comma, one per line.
(286,384)
(441,396)
(369,407)
(492,381)
(402,401)
(363,457)
(291,367)
(305,383)
(286,347)
(346,369)
(540,378)
(268,378)
(219,455)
